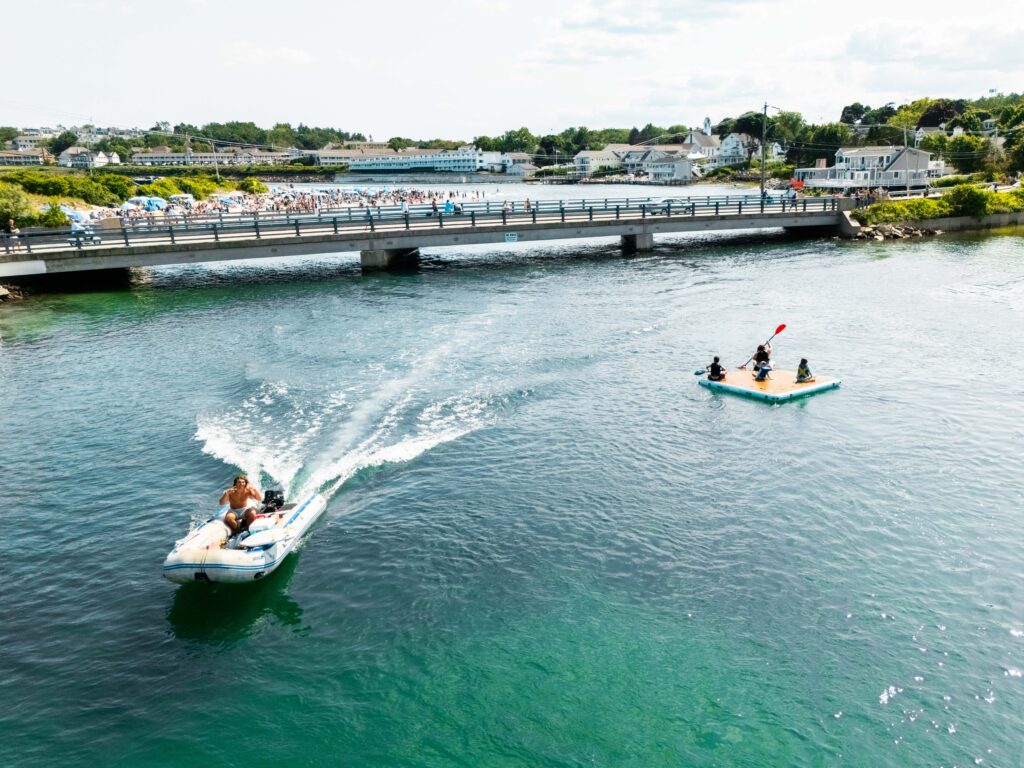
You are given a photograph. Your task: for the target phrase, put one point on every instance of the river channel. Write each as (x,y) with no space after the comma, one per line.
(544,544)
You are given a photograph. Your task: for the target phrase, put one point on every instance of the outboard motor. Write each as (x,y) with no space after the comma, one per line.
(273,499)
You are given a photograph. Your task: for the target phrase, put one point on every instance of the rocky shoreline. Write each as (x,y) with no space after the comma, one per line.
(893,232)
(11,293)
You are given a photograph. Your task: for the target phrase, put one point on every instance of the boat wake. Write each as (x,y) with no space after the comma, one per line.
(316,444)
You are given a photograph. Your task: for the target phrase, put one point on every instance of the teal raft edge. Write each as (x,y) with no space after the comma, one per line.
(717,386)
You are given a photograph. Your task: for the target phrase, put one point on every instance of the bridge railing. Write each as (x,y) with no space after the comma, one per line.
(358,213)
(373,220)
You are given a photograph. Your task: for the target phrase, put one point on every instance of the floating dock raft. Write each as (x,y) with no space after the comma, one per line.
(780,387)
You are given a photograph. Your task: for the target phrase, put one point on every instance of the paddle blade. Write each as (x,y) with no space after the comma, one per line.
(780,329)
(701,372)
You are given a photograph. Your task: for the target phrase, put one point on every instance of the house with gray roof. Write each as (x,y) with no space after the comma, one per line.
(874,167)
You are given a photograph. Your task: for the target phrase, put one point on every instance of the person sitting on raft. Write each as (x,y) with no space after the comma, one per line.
(715,371)
(762,361)
(240,515)
(803,373)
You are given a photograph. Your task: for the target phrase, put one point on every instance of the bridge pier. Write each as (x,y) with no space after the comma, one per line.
(389,258)
(637,243)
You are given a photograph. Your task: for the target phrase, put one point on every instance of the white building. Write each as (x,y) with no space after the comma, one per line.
(736,148)
(24,157)
(873,167)
(231,156)
(588,162)
(465,159)
(81,157)
(707,145)
(29,141)
(669,168)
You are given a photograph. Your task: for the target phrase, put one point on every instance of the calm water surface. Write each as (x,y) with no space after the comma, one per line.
(544,544)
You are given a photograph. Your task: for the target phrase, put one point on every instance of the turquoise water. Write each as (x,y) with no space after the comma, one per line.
(544,544)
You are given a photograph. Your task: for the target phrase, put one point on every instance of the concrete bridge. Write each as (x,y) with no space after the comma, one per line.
(390,237)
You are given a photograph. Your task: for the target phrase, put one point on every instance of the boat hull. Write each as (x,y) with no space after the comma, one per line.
(210,554)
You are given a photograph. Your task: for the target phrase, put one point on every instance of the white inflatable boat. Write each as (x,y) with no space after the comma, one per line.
(211,553)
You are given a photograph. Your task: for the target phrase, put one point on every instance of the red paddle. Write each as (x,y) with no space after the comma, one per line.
(778,330)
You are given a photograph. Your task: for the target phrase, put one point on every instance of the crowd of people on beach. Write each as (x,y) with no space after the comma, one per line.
(289,199)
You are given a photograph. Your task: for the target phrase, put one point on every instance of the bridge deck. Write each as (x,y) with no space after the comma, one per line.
(272,236)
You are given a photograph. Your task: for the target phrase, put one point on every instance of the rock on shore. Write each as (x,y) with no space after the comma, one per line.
(894,232)
(10,293)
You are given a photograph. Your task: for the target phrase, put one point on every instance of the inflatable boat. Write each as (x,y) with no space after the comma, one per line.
(780,387)
(211,553)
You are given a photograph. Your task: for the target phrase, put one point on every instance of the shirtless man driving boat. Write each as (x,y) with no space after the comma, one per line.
(240,515)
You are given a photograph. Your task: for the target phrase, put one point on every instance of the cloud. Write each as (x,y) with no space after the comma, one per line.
(245,54)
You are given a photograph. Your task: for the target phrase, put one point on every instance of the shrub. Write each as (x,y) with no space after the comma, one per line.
(121,187)
(200,187)
(965,200)
(53,217)
(253,186)
(896,211)
(161,188)
(14,204)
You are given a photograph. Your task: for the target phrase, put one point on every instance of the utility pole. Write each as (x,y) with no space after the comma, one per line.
(906,159)
(764,128)
(213,149)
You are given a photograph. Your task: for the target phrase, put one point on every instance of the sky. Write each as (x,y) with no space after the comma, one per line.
(461,68)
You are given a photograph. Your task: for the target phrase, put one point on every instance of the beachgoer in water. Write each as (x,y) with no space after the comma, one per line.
(239,515)
(715,371)
(803,372)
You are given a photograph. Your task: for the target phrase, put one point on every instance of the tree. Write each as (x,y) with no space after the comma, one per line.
(936,143)
(939,112)
(8,133)
(879,115)
(520,140)
(909,115)
(749,123)
(788,125)
(650,131)
(62,142)
(853,113)
(634,136)
(14,204)
(486,143)
(282,135)
(969,120)
(724,127)
(968,153)
(398,143)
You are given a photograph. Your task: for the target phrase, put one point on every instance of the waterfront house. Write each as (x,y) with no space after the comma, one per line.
(736,149)
(338,157)
(670,168)
(465,159)
(519,158)
(588,162)
(25,157)
(874,167)
(521,171)
(81,157)
(708,145)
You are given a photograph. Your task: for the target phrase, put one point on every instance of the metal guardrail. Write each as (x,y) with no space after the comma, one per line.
(418,218)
